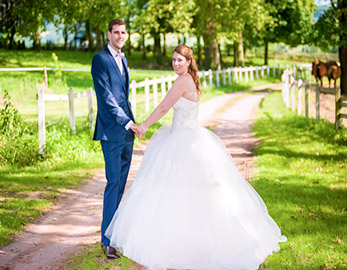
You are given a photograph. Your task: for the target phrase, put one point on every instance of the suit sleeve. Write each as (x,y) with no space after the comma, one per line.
(103,91)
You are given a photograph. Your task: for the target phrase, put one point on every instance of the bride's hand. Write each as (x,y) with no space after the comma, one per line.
(142,130)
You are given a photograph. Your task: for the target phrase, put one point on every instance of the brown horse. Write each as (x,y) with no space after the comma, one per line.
(333,71)
(319,70)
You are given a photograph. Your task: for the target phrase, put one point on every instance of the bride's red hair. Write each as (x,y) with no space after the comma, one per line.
(187,52)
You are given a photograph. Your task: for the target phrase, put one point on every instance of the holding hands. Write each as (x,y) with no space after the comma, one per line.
(140,130)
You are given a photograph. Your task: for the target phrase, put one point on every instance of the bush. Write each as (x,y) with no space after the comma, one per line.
(18,139)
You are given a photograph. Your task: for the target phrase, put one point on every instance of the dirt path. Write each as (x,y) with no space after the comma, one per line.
(76,219)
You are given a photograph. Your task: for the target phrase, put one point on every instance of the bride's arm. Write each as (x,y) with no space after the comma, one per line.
(170,99)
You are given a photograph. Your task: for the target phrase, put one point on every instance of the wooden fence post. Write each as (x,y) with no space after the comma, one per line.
(235,75)
(217,78)
(262,72)
(46,78)
(210,77)
(268,71)
(133,97)
(229,75)
(240,74)
(300,82)
(252,73)
(41,116)
(146,95)
(317,103)
(90,107)
(169,85)
(72,111)
(257,72)
(292,94)
(224,80)
(163,90)
(155,92)
(306,99)
(337,107)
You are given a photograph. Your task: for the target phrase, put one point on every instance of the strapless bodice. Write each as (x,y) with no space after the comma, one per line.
(186,114)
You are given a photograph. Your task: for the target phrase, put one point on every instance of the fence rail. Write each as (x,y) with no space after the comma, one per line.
(154,86)
(42,97)
(292,96)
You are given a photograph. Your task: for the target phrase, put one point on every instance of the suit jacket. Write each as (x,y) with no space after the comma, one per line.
(114,108)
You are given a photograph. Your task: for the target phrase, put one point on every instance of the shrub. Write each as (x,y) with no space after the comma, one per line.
(18,139)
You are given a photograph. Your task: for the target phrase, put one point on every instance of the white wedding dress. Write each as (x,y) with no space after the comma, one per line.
(189,207)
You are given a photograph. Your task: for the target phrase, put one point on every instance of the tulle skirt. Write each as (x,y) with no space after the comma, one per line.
(190,208)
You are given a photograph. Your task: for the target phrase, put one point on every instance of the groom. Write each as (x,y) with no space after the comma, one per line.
(115,125)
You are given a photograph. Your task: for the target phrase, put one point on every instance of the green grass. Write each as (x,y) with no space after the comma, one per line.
(92,257)
(301,175)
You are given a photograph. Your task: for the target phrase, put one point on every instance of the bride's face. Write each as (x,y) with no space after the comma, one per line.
(180,64)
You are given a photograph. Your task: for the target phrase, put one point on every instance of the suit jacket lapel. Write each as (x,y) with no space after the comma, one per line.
(115,66)
(127,82)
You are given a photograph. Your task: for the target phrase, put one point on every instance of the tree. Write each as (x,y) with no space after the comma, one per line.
(334,35)
(291,23)
(8,20)
(227,19)
(158,17)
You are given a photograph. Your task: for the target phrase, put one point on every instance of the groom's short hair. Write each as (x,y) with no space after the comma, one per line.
(115,22)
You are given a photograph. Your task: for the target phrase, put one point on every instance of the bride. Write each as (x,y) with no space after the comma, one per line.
(189,207)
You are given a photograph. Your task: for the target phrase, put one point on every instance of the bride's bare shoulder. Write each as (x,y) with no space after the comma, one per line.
(185,79)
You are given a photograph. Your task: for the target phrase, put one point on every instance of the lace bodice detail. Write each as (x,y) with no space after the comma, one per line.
(186,114)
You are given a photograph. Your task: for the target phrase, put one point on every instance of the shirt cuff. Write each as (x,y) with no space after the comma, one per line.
(127,126)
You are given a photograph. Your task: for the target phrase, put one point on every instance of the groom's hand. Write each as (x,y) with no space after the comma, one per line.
(135,129)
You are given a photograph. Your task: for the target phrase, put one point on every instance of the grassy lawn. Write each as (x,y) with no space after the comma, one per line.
(301,175)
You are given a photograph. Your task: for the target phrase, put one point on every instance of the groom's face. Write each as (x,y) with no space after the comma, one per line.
(117,37)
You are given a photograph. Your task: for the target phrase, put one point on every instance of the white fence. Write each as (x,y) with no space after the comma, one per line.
(292,94)
(217,78)
(42,97)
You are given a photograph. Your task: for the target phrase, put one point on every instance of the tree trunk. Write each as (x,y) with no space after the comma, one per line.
(220,54)
(266,52)
(13,32)
(98,39)
(343,62)
(211,51)
(343,47)
(157,48)
(240,50)
(128,44)
(199,58)
(236,56)
(37,40)
(164,45)
(103,39)
(89,35)
(66,36)
(143,44)
(76,32)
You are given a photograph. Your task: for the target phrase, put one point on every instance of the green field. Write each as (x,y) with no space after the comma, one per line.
(301,175)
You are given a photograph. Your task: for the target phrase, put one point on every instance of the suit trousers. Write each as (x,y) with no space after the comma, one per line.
(117,157)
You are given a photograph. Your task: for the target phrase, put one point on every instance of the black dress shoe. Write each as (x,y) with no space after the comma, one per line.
(111,253)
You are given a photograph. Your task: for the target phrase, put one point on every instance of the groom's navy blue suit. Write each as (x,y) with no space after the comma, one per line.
(114,113)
